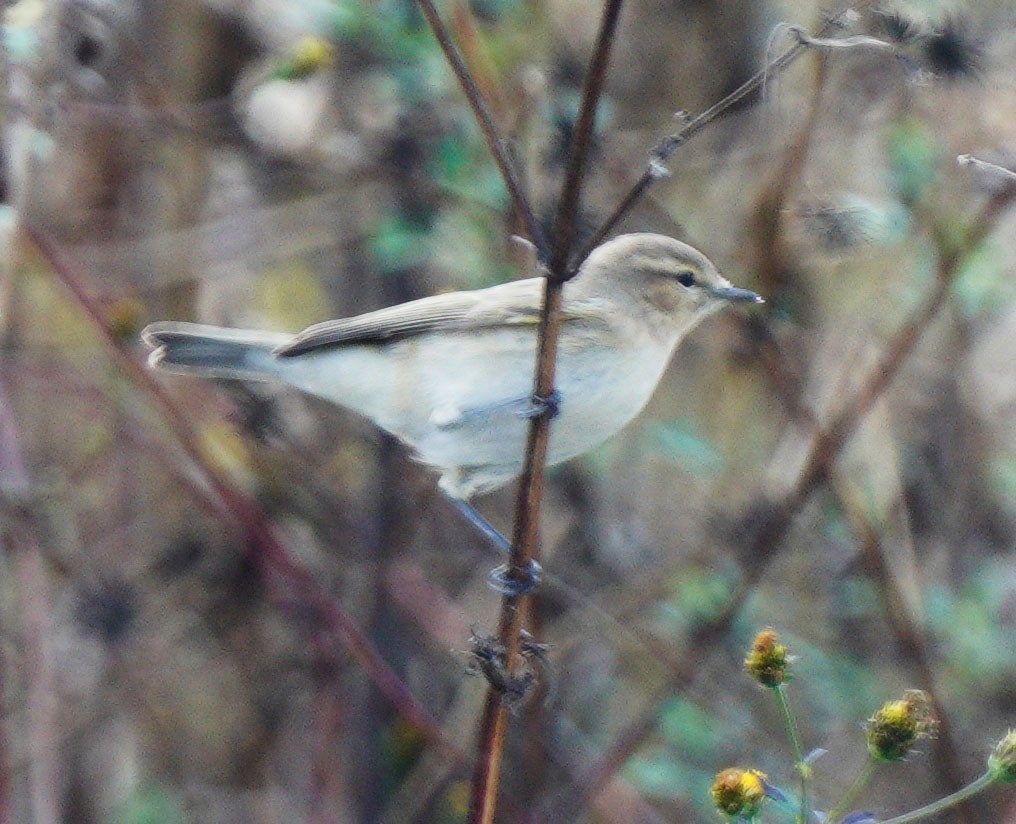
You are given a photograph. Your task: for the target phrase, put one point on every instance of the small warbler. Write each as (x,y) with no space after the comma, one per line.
(452,375)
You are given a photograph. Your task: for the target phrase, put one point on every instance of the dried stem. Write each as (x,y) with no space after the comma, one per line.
(769,212)
(481,111)
(828,443)
(907,629)
(32,583)
(661,153)
(765,530)
(269,552)
(494,722)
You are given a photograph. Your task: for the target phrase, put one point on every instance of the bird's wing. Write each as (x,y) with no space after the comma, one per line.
(517,303)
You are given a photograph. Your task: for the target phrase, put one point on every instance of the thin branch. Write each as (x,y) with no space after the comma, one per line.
(828,443)
(991,171)
(567,211)
(270,553)
(494,721)
(765,530)
(657,167)
(481,111)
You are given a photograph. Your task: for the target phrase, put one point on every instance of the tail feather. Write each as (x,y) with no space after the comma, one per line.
(212,351)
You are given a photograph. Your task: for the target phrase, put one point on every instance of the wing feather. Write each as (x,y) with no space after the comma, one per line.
(508,304)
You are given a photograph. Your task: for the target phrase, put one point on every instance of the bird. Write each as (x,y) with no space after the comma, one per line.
(451,375)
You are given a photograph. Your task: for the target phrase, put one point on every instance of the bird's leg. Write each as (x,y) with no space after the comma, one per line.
(503,579)
(537,406)
(485,527)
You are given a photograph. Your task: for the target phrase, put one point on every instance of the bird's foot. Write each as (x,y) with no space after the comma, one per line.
(516,581)
(538,407)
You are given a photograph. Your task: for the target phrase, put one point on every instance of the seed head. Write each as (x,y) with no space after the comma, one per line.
(952,50)
(893,730)
(1002,761)
(768,661)
(739,793)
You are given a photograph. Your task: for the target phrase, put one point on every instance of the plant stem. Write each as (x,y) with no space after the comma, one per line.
(661,153)
(270,553)
(952,800)
(481,111)
(525,544)
(803,769)
(836,813)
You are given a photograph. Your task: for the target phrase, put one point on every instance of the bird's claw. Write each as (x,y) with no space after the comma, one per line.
(516,581)
(538,406)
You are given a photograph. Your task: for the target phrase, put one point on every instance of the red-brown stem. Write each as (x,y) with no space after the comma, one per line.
(481,111)
(525,543)
(269,552)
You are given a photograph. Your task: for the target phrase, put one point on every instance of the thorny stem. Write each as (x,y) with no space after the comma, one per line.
(958,797)
(803,768)
(853,791)
(270,552)
(481,111)
(494,722)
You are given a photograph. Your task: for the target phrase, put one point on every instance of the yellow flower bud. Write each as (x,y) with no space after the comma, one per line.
(739,793)
(768,661)
(893,730)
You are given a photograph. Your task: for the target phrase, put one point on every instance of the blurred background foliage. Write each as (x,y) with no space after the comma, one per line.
(274,164)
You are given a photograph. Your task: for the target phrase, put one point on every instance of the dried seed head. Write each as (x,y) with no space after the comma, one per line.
(952,51)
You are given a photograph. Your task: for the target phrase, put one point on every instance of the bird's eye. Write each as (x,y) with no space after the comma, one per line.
(686,279)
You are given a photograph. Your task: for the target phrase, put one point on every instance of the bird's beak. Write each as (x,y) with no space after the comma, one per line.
(735,295)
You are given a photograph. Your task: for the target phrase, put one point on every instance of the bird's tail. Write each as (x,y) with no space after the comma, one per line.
(212,351)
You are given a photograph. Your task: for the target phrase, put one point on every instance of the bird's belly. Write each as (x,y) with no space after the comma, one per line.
(462,400)
(598,394)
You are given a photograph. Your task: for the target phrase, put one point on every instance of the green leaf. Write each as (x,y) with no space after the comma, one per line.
(687,727)
(983,284)
(696,596)
(913,159)
(664,775)
(678,441)
(150,806)
(399,243)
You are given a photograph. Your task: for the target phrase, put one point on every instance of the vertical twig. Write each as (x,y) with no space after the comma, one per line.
(494,722)
(31,581)
(24,556)
(481,111)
